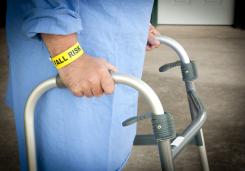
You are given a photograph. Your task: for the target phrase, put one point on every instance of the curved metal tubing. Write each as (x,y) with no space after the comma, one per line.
(195,126)
(176,46)
(141,86)
(29,121)
(189,133)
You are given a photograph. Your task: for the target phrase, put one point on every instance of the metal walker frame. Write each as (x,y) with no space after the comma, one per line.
(164,132)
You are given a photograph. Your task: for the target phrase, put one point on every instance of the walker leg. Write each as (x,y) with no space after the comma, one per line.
(203,153)
(165,153)
(199,138)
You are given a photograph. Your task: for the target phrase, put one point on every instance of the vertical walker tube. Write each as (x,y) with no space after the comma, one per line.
(29,121)
(164,146)
(142,87)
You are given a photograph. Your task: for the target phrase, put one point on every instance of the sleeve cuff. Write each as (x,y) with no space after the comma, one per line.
(51,21)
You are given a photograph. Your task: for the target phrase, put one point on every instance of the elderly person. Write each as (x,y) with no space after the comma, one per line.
(78,128)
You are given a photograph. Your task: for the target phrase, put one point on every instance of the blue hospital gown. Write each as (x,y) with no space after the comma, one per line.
(76,133)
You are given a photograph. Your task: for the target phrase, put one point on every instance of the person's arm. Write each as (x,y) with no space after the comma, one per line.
(56,23)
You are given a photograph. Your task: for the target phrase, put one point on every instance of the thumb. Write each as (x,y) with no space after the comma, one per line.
(111,67)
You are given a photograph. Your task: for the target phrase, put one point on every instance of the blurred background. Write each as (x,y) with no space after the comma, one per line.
(212,33)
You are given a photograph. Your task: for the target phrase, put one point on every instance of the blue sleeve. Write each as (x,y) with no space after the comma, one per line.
(51,16)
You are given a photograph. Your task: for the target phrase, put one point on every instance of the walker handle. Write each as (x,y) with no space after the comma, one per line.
(59,82)
(135,83)
(176,46)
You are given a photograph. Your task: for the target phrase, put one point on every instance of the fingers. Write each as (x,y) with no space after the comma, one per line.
(88,92)
(100,83)
(152,42)
(154,31)
(88,77)
(107,83)
(148,47)
(76,90)
(96,88)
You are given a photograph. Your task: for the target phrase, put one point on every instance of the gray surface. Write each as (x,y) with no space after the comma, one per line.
(215,49)
(8,143)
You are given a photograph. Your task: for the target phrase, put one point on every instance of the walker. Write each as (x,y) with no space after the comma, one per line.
(169,143)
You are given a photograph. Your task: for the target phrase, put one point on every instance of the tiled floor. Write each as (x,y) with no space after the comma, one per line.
(220,56)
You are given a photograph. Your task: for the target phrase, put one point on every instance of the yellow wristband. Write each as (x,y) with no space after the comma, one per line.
(67,56)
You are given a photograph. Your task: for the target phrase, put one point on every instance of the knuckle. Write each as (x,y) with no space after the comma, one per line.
(95,91)
(77,92)
(109,87)
(94,79)
(99,93)
(87,91)
(101,69)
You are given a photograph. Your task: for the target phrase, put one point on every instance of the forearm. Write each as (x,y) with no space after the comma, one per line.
(57,44)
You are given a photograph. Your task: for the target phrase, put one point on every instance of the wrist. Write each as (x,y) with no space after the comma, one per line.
(68,56)
(57,44)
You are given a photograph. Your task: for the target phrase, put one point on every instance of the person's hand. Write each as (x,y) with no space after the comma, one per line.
(88,76)
(152,43)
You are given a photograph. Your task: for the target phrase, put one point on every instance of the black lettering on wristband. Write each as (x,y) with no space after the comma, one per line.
(75,51)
